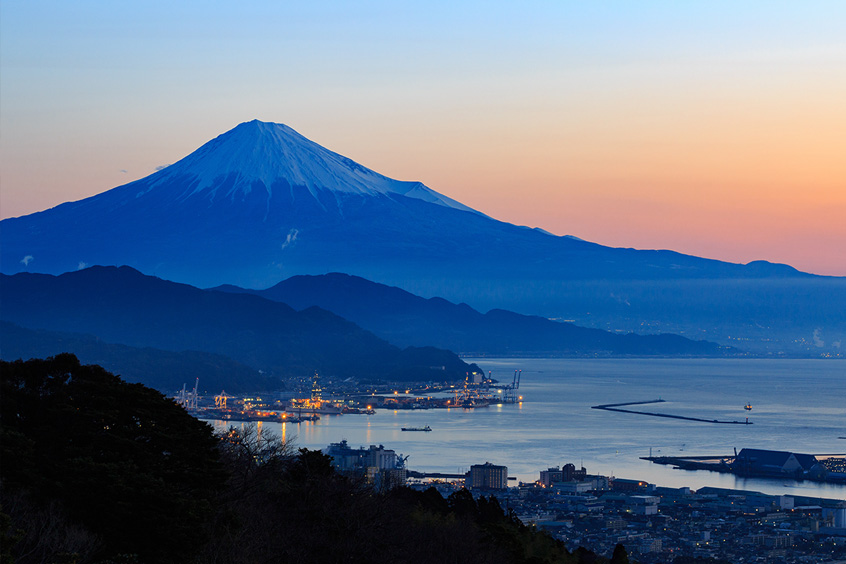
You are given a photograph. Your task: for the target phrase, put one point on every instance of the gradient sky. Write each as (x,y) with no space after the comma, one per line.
(711,128)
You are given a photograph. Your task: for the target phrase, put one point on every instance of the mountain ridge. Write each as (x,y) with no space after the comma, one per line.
(123,306)
(209,225)
(164,370)
(405,319)
(257,172)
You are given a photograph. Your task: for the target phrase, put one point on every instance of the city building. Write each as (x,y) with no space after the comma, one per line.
(379,466)
(570,474)
(755,462)
(487,476)
(550,476)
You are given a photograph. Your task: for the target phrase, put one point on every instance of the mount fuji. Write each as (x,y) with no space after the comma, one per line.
(261,203)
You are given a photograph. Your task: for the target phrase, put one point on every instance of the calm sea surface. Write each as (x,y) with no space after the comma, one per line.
(797,405)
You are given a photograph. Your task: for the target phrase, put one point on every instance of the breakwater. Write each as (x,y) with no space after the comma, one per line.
(618,408)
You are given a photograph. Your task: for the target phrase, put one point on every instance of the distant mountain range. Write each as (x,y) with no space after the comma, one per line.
(261,203)
(404,319)
(122,306)
(164,370)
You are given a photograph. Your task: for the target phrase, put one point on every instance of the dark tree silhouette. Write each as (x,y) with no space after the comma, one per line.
(620,556)
(119,461)
(107,472)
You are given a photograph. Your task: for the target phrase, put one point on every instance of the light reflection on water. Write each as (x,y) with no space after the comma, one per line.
(797,405)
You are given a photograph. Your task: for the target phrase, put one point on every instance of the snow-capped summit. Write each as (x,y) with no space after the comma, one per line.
(256,202)
(261,203)
(264,156)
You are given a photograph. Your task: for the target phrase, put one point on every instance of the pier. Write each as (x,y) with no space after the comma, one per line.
(617,407)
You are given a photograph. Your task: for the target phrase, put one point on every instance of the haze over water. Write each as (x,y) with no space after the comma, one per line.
(797,405)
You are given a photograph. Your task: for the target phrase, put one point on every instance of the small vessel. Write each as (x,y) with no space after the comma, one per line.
(748,406)
(426,428)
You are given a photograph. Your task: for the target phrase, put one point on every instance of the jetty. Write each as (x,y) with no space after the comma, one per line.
(618,408)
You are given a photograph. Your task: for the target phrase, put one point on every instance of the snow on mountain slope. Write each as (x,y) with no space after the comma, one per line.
(258,155)
(261,203)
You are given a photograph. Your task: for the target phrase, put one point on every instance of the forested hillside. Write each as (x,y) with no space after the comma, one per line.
(98,470)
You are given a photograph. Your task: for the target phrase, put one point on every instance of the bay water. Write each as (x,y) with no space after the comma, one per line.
(797,405)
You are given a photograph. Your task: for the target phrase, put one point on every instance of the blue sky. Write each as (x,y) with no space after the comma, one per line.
(712,128)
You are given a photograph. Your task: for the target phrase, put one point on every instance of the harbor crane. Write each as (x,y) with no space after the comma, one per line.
(220,400)
(510,392)
(187,399)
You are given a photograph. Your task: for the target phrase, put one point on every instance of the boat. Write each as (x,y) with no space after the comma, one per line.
(426,428)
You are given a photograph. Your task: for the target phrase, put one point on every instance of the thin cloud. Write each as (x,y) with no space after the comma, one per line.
(291,238)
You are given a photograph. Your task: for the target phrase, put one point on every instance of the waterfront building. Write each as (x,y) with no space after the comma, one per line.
(487,476)
(344,458)
(381,458)
(378,465)
(755,462)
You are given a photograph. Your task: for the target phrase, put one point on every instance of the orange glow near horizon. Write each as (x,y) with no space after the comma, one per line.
(714,129)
